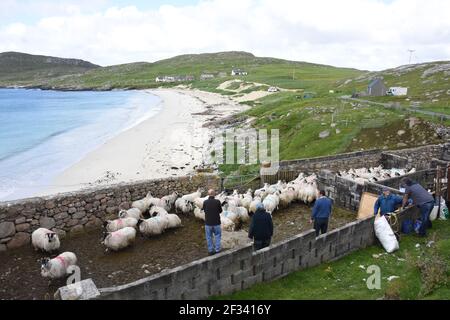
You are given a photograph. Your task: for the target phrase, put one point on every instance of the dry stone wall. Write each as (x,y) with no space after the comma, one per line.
(74,212)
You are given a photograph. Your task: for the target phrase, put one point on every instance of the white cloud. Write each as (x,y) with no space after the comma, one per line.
(366,34)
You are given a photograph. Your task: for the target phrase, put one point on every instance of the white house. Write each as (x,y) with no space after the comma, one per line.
(238,72)
(273,89)
(397,91)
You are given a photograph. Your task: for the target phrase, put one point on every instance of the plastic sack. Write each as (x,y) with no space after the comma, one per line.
(407,226)
(417,225)
(384,233)
(434,213)
(443,215)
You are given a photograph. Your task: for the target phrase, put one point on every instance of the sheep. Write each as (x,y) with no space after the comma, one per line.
(226,224)
(198,202)
(115,225)
(130,213)
(183,205)
(153,226)
(247,199)
(157,211)
(174,221)
(271,202)
(120,239)
(57,267)
(263,191)
(192,196)
(243,214)
(199,214)
(44,239)
(169,201)
(287,196)
(142,204)
(252,207)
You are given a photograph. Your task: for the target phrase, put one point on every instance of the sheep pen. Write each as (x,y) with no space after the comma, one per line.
(20,270)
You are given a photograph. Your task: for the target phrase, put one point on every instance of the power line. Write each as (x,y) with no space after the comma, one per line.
(410,54)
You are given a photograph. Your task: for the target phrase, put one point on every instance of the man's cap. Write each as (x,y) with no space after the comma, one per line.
(259,206)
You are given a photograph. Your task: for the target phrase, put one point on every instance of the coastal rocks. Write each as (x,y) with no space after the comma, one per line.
(7,229)
(46,222)
(19,240)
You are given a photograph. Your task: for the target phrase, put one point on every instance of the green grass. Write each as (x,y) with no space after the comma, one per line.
(344,279)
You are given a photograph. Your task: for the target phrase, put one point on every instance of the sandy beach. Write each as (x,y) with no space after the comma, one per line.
(168,144)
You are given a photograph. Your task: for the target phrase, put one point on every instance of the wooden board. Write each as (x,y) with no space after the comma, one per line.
(366,205)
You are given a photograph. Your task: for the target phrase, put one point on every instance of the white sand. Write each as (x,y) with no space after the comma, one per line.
(172,138)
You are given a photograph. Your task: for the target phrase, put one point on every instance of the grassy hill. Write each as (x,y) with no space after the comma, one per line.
(277,72)
(20,69)
(428,85)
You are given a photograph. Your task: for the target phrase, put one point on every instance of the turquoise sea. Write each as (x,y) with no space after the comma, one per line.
(42,133)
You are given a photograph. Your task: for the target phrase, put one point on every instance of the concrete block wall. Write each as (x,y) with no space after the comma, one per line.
(419,158)
(343,161)
(75,211)
(241,268)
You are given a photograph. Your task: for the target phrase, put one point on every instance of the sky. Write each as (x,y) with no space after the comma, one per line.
(363,34)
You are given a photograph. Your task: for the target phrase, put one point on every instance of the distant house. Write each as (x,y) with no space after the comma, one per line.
(222,74)
(170,79)
(238,72)
(397,91)
(376,88)
(273,89)
(206,76)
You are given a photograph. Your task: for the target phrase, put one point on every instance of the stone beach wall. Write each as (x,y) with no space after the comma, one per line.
(77,211)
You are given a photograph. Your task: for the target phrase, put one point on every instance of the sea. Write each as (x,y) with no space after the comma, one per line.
(42,133)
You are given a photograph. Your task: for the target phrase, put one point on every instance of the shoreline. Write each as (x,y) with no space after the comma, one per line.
(168,144)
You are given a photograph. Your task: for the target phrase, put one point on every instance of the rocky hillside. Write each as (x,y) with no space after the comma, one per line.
(20,69)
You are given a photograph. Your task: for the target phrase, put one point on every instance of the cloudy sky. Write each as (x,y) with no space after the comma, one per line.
(365,34)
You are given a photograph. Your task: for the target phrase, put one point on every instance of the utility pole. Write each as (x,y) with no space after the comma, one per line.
(410,54)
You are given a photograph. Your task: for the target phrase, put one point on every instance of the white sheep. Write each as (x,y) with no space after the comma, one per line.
(184,206)
(153,226)
(247,199)
(114,225)
(57,267)
(243,214)
(174,221)
(253,204)
(226,224)
(130,213)
(271,202)
(120,239)
(142,204)
(199,214)
(169,201)
(157,211)
(44,239)
(198,202)
(192,196)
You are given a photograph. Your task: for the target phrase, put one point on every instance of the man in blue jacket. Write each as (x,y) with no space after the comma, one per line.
(321,213)
(387,203)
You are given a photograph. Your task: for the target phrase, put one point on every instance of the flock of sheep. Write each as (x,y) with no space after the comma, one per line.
(121,233)
(375,174)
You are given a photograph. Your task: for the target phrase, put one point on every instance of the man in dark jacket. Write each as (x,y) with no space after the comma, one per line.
(422,199)
(321,213)
(212,208)
(261,228)
(387,203)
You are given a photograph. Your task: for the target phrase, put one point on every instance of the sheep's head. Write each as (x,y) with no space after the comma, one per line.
(122,213)
(51,236)
(105,224)
(149,195)
(45,267)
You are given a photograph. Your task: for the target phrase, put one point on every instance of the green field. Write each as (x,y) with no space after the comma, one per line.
(423,274)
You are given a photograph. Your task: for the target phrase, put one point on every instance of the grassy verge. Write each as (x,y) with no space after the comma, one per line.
(346,278)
